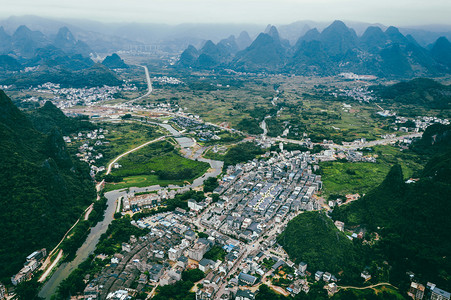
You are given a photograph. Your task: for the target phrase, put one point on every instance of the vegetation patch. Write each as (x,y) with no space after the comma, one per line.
(157,163)
(242,153)
(361,177)
(313,238)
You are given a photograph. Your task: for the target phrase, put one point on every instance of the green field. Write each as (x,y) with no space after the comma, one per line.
(360,177)
(125,136)
(305,103)
(157,163)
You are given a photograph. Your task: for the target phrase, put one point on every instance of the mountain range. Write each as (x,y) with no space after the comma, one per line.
(60,59)
(111,37)
(24,42)
(334,50)
(27,48)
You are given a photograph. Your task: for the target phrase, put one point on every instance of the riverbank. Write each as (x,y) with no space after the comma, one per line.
(91,241)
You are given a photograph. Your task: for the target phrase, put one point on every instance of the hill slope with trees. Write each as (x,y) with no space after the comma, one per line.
(44,190)
(412,219)
(312,237)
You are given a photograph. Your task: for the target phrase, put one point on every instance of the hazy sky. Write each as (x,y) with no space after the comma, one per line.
(389,12)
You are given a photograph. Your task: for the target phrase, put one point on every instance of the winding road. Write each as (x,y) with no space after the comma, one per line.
(366,287)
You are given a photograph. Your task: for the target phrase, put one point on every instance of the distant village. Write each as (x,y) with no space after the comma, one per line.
(167,80)
(69,97)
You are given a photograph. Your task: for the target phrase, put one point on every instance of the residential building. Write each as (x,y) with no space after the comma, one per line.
(365,275)
(197,251)
(2,292)
(118,295)
(416,291)
(319,275)
(340,225)
(91,292)
(327,276)
(302,267)
(174,253)
(246,279)
(244,295)
(205,294)
(439,294)
(206,264)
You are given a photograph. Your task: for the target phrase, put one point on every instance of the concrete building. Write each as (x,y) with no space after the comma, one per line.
(197,251)
(439,294)
(244,295)
(416,291)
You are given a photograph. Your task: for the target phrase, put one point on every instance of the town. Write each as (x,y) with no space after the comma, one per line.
(257,199)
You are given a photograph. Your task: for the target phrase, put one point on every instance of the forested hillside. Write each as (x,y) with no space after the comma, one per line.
(420,91)
(313,238)
(412,218)
(49,116)
(43,189)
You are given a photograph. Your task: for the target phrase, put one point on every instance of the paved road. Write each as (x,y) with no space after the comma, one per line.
(149,87)
(357,146)
(49,269)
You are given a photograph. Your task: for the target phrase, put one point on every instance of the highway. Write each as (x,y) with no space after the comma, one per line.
(149,87)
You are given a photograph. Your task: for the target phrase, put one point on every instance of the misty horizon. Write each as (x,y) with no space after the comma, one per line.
(177,12)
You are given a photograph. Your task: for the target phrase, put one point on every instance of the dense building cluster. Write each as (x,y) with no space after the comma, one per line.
(68,97)
(34,261)
(167,80)
(260,193)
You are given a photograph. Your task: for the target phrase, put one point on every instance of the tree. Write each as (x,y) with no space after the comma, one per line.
(210,184)
(28,290)
(215,197)
(193,275)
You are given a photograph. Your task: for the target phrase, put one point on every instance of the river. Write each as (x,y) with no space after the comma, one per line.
(90,244)
(85,250)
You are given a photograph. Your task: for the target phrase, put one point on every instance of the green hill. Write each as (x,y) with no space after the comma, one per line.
(420,91)
(312,237)
(412,219)
(44,191)
(49,116)
(114,61)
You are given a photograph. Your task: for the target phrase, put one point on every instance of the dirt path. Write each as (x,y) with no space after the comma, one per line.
(88,212)
(49,269)
(366,287)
